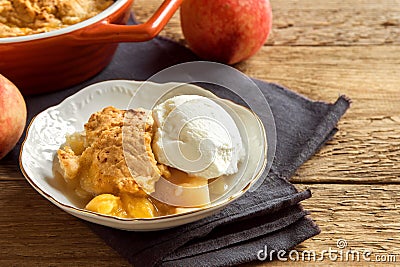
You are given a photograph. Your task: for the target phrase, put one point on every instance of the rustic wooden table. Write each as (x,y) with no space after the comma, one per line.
(320,49)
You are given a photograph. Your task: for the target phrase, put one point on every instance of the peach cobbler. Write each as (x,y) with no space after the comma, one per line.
(141,163)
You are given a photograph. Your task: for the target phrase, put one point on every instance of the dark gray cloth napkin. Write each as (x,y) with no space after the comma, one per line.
(270,216)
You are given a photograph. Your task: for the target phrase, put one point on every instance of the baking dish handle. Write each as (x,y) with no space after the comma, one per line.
(107,32)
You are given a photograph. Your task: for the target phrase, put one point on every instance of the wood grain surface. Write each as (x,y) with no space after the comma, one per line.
(317,48)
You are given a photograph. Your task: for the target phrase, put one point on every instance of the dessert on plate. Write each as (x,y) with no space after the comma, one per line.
(139,163)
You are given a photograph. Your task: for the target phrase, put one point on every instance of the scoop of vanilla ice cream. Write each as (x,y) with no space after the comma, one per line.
(196,135)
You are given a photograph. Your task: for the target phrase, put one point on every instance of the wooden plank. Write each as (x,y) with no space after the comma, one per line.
(311,22)
(368,75)
(365,215)
(9,171)
(367,147)
(364,151)
(35,232)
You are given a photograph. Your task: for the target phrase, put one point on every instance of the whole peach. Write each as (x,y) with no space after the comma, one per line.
(12,115)
(227,31)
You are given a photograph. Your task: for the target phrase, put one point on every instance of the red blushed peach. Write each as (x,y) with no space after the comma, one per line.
(226,31)
(12,115)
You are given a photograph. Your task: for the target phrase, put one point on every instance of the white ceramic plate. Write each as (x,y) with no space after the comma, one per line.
(48,129)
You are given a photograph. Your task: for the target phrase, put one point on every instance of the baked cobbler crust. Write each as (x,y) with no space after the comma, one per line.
(101,170)
(23,17)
